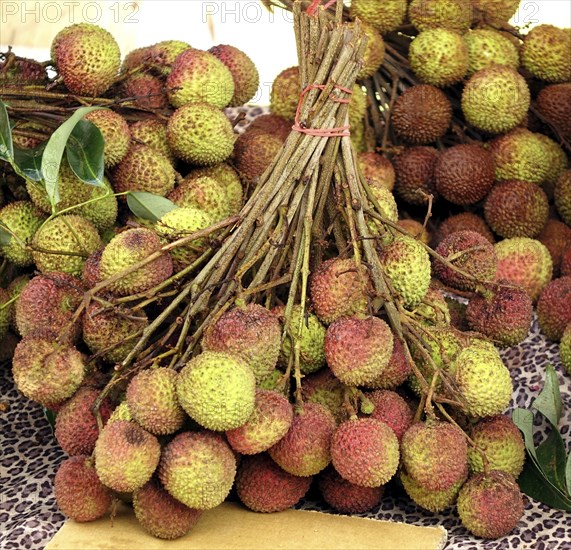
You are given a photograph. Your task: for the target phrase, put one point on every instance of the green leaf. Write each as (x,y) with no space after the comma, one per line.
(29,161)
(548,402)
(85,152)
(54,151)
(51,418)
(149,206)
(6,145)
(523,419)
(551,459)
(533,484)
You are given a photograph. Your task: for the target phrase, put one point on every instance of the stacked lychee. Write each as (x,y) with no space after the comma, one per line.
(478,132)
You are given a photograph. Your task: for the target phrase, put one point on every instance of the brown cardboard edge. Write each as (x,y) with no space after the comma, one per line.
(232,527)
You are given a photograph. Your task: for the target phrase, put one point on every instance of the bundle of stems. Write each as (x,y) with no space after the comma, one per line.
(310,200)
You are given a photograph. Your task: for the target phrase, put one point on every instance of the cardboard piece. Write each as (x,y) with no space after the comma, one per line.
(232,527)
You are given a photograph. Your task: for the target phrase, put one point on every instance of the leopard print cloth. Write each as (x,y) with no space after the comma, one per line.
(29,516)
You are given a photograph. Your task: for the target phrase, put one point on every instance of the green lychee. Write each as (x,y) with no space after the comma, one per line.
(63,244)
(180,223)
(21,219)
(126,250)
(546,53)
(144,168)
(410,283)
(501,442)
(495,99)
(204,193)
(285,92)
(454,15)
(200,134)
(484,382)
(439,57)
(199,77)
(385,15)
(115,132)
(312,342)
(152,132)
(432,500)
(488,47)
(153,403)
(198,469)
(217,390)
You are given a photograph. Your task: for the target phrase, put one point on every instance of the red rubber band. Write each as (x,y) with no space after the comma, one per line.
(313,8)
(341,131)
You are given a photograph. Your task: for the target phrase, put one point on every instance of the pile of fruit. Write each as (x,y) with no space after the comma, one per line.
(208,312)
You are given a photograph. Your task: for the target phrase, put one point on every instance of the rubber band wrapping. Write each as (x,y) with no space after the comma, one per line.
(341,131)
(313,8)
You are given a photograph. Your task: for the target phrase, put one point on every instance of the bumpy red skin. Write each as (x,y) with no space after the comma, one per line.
(148,90)
(273,415)
(365,452)
(347,497)
(357,350)
(391,409)
(252,333)
(554,103)
(119,444)
(162,515)
(396,372)
(79,493)
(556,236)
(90,273)
(490,506)
(465,221)
(48,303)
(414,170)
(272,124)
(566,263)
(435,455)
(421,114)
(336,290)
(505,317)
(464,174)
(553,311)
(516,208)
(76,426)
(480,263)
(263,486)
(305,449)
